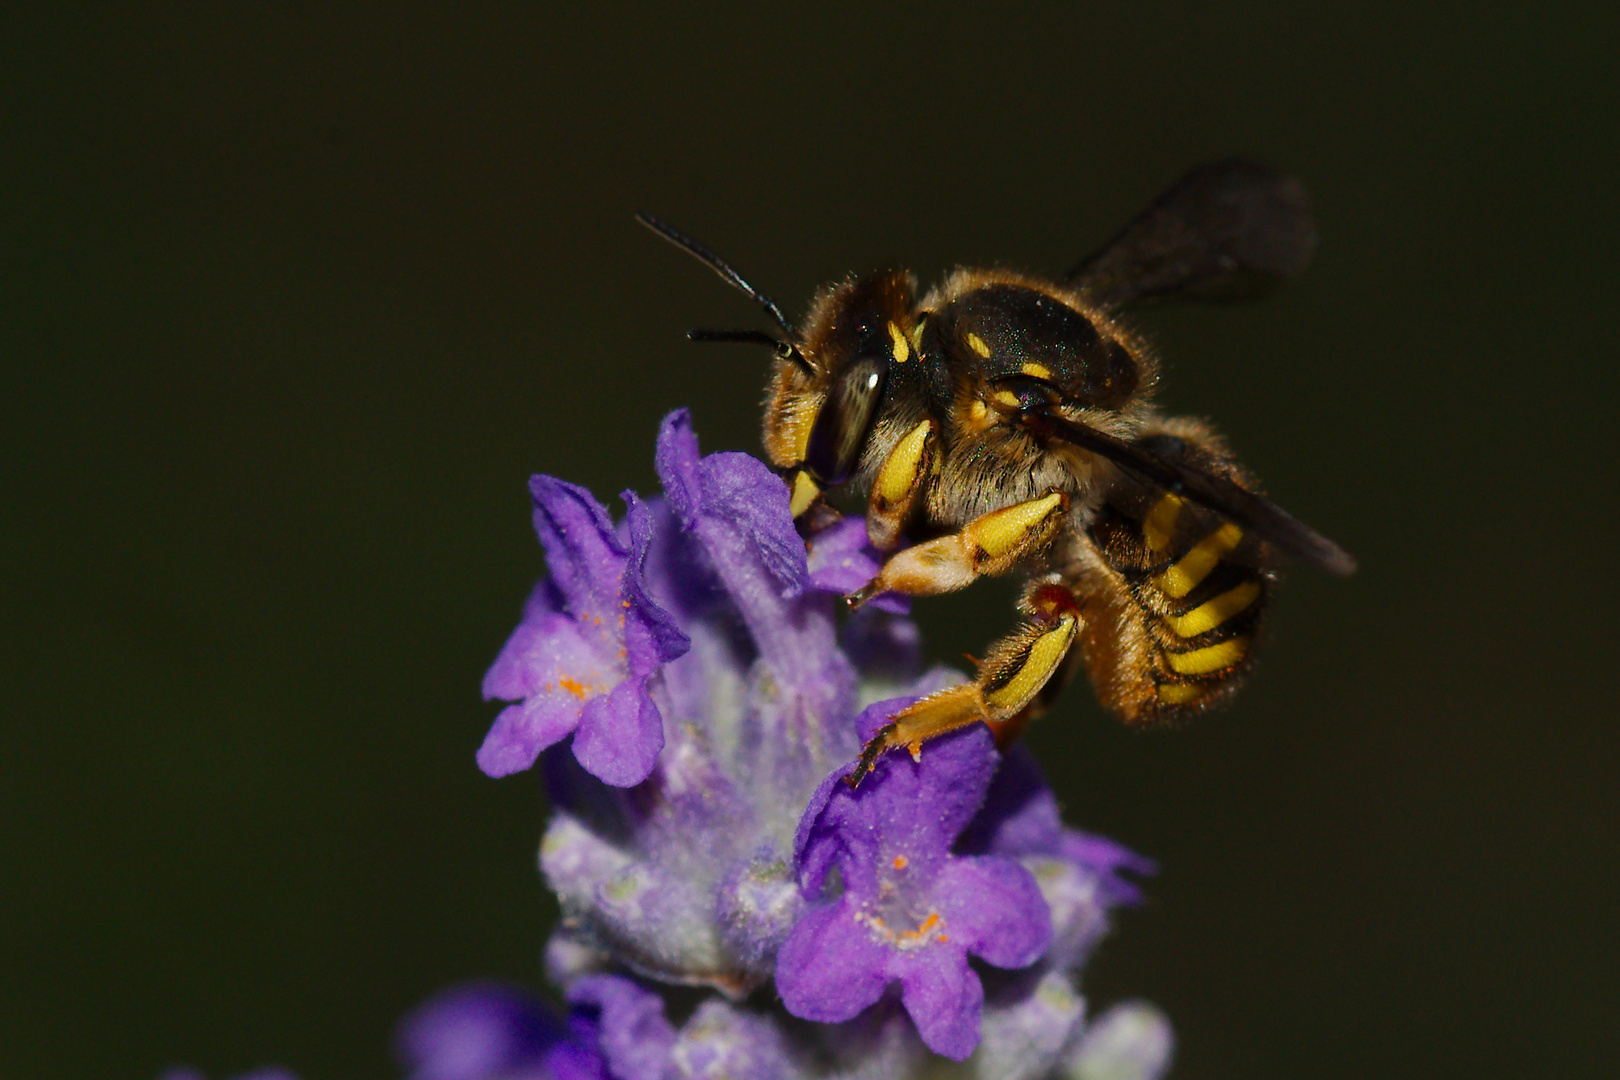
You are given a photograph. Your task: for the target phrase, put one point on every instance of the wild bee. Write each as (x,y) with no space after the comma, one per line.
(1003,423)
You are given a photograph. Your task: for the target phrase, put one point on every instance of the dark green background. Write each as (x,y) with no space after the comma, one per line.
(297,299)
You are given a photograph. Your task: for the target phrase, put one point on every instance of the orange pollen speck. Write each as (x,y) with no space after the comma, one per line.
(905,940)
(573,686)
(900,862)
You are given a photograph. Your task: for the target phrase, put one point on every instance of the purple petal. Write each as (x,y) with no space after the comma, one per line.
(739,491)
(510,677)
(950,780)
(839,557)
(841,561)
(830,968)
(945,1000)
(543,652)
(1020,818)
(583,556)
(1020,815)
(738,510)
(993,908)
(474,1032)
(864,827)
(833,830)
(652,636)
(635,1036)
(620,735)
(743,491)
(521,731)
(1108,861)
(676,461)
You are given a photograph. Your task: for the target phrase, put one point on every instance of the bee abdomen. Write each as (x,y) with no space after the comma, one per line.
(1181,611)
(1200,609)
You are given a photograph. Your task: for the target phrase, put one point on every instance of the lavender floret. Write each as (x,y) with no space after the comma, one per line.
(907,911)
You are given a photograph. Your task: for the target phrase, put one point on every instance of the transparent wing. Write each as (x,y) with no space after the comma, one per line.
(1226,230)
(1220,495)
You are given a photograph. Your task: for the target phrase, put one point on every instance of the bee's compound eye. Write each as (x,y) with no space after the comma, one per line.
(845,420)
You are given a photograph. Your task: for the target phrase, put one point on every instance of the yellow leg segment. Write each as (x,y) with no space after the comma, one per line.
(900,483)
(1017,669)
(805,493)
(990,544)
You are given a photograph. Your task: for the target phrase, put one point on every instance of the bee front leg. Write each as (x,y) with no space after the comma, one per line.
(1007,692)
(900,483)
(991,544)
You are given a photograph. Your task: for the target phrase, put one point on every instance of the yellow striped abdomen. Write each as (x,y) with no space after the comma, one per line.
(1184,605)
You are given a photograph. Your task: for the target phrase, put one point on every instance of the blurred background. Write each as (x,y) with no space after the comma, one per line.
(296,298)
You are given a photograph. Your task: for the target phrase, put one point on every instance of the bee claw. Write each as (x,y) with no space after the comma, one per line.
(878,743)
(863,594)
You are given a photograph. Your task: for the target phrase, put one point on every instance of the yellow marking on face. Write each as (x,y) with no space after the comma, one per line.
(916,333)
(976,343)
(1044,657)
(1007,398)
(1208,659)
(805,418)
(1179,693)
(1211,613)
(804,493)
(1040,371)
(1004,530)
(979,409)
(900,468)
(902,348)
(1184,576)
(1161,521)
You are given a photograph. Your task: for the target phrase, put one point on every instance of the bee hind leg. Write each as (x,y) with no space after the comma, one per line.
(1008,692)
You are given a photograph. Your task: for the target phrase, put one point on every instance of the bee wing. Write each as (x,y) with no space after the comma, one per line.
(1226,230)
(1224,497)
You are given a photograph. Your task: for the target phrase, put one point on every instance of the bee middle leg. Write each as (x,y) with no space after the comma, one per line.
(1010,689)
(991,544)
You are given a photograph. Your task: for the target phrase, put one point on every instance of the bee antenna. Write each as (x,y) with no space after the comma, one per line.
(784,349)
(736,280)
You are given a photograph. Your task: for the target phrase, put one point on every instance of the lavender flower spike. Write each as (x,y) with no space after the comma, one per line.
(701,836)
